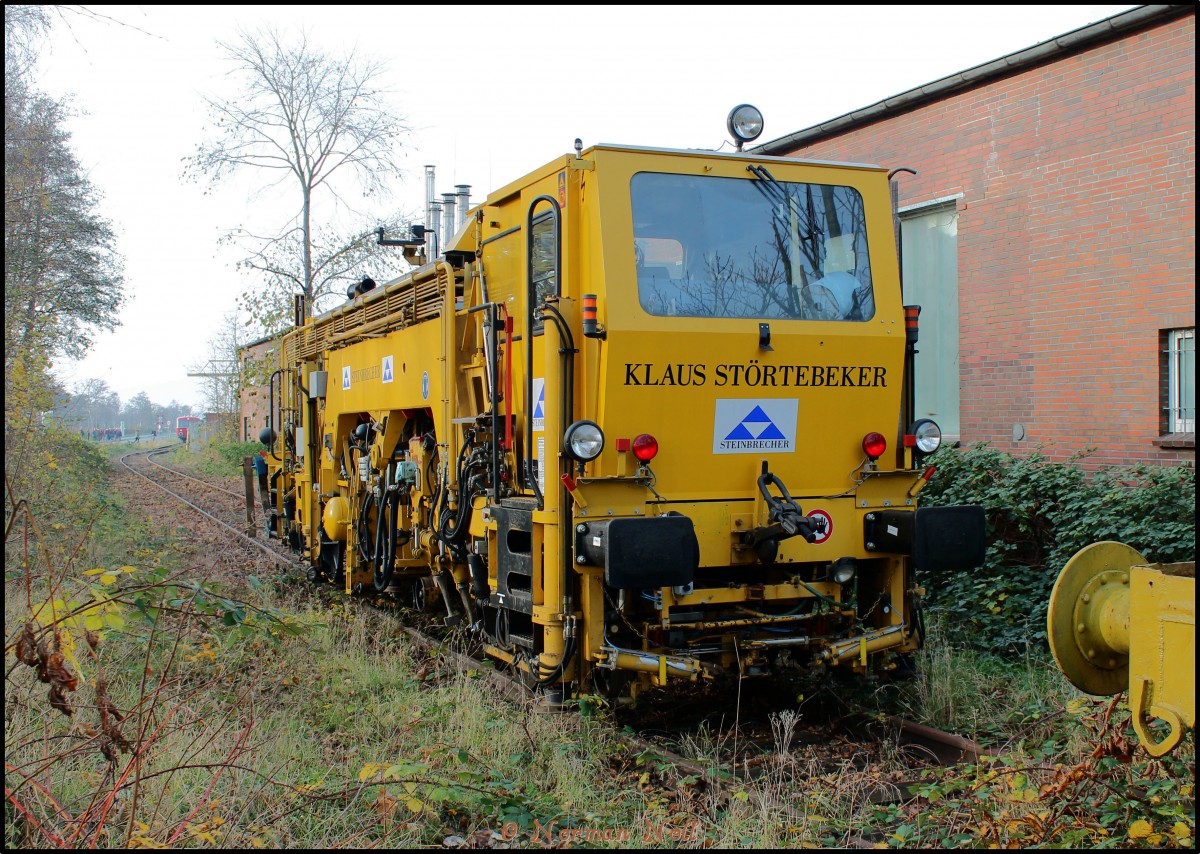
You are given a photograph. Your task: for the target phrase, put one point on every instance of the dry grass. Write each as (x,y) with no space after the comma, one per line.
(315,723)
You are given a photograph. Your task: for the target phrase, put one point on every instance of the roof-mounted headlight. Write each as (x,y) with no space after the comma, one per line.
(745,124)
(927,436)
(583,441)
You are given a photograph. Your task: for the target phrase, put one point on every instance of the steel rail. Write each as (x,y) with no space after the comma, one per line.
(188,476)
(270,552)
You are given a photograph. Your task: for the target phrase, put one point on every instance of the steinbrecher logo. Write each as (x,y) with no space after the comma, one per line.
(755,426)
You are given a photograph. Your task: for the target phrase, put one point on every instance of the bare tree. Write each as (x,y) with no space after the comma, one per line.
(307,118)
(336,260)
(221,374)
(94,405)
(23,26)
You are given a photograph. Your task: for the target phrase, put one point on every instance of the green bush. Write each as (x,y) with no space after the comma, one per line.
(1039,514)
(58,475)
(232,453)
(220,458)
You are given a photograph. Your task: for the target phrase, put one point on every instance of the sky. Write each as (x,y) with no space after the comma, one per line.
(490,93)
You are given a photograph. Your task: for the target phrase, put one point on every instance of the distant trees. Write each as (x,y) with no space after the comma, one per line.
(62,274)
(138,413)
(93,405)
(312,120)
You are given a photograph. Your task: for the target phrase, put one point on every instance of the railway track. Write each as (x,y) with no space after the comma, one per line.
(740,735)
(224,507)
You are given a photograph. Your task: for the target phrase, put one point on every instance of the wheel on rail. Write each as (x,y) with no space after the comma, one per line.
(331,561)
(422,594)
(611,684)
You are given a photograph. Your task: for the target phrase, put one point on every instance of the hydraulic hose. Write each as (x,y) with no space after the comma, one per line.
(364,512)
(385,538)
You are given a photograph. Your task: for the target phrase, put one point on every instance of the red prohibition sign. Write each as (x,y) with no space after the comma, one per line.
(824,535)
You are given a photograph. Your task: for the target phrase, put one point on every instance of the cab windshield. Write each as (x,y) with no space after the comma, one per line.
(707,246)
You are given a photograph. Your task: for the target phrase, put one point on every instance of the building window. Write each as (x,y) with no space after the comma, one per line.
(1179,398)
(929,259)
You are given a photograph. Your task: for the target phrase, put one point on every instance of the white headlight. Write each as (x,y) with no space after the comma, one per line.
(745,123)
(927,436)
(583,441)
(844,569)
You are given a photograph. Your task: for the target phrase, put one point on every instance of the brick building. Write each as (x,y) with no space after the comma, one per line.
(1049,235)
(256,391)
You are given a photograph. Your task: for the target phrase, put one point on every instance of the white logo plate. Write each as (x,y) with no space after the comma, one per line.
(755,426)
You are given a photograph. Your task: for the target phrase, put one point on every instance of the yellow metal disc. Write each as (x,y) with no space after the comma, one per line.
(1072,639)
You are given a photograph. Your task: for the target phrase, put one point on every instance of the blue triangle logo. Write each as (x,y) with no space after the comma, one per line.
(756,425)
(539,409)
(740,432)
(772,432)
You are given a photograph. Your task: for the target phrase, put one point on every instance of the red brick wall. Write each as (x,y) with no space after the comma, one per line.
(1076,237)
(256,395)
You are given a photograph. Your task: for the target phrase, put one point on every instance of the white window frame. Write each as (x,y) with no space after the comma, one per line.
(1181,378)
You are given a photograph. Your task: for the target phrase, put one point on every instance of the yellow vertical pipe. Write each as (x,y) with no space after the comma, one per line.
(553,572)
(449,373)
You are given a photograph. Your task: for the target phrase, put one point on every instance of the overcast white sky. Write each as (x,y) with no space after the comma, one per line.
(490,92)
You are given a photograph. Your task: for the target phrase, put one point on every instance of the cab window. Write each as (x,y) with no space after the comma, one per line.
(706,246)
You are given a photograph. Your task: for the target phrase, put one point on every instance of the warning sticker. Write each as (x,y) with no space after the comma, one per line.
(755,426)
(828,532)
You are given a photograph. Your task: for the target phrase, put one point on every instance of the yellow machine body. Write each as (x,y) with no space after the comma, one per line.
(1117,624)
(742,314)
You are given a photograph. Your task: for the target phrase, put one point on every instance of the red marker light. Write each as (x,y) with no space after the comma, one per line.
(874,445)
(645,447)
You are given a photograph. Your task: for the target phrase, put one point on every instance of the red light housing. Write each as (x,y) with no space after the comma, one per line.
(874,444)
(645,447)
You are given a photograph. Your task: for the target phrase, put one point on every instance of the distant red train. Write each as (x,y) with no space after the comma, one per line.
(184,423)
